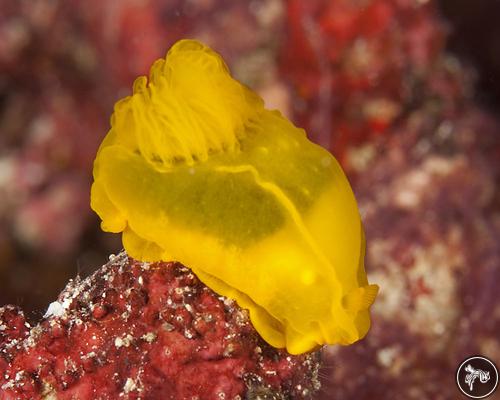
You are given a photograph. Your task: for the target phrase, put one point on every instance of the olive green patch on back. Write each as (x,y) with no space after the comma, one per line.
(282,154)
(230,206)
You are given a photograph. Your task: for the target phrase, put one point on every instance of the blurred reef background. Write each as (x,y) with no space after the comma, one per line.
(405,93)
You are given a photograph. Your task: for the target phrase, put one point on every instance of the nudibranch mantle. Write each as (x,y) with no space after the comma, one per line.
(195,169)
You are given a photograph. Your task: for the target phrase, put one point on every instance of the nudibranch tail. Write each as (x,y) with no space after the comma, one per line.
(195,169)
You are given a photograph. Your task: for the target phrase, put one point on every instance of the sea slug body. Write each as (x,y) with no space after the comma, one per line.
(195,169)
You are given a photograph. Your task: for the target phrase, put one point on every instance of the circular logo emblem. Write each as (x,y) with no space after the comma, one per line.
(477,377)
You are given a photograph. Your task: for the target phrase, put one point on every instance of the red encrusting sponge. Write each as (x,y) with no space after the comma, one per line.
(135,330)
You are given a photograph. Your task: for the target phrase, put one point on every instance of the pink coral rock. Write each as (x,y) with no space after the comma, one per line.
(145,331)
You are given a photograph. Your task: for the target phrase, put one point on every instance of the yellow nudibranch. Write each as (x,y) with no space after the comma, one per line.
(195,169)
